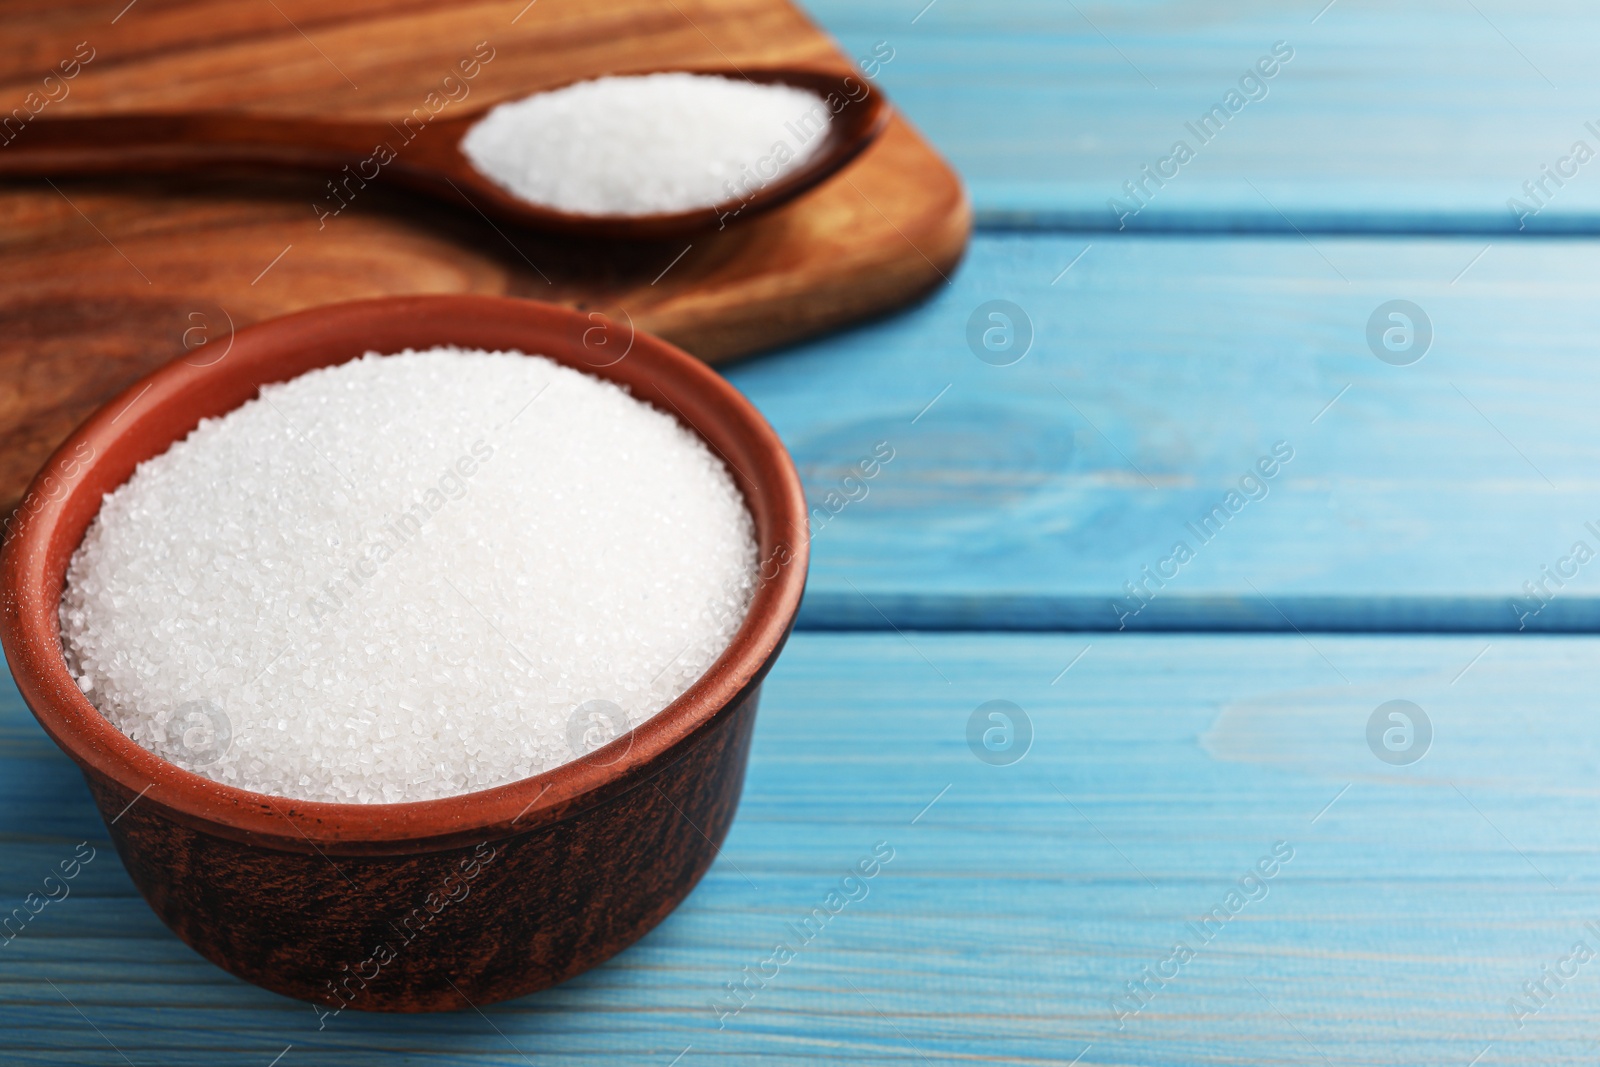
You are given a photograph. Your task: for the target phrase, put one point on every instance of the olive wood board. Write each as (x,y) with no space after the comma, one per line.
(102,280)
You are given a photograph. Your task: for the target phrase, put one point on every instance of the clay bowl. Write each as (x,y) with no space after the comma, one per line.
(437,904)
(426,157)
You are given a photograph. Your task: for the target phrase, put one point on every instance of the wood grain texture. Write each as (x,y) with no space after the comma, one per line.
(1162,369)
(1426,117)
(1017,904)
(104,279)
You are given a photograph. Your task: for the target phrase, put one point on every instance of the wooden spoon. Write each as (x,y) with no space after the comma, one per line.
(429,159)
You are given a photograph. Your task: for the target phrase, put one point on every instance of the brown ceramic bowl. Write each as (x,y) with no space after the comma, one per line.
(442,903)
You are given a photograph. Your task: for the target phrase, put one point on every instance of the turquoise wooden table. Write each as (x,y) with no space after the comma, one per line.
(1202,838)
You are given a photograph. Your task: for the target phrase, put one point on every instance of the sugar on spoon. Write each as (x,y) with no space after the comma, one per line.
(429,158)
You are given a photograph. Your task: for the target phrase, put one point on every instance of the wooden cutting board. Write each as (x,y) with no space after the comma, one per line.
(102,280)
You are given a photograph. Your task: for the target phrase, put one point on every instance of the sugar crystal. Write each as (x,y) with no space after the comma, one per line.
(400,578)
(647,144)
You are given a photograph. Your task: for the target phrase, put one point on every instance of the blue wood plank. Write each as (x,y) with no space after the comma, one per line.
(1423,118)
(1162,371)
(1021,898)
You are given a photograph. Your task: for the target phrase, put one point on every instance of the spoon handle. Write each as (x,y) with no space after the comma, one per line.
(158,144)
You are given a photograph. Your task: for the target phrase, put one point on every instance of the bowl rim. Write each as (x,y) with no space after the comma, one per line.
(180,392)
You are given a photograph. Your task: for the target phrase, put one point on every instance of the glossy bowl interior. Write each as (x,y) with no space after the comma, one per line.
(162,816)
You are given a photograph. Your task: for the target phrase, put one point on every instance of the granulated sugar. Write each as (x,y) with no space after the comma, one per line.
(647,144)
(408,577)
